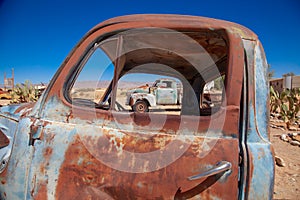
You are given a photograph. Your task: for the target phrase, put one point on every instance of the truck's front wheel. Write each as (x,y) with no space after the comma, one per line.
(140,107)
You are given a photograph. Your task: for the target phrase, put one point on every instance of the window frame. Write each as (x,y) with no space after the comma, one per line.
(112,88)
(76,73)
(64,74)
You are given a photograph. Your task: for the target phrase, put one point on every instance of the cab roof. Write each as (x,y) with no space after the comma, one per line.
(180,22)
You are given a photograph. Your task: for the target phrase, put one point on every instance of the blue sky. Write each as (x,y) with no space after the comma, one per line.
(37,35)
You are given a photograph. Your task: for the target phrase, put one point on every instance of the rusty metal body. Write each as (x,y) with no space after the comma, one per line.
(64,151)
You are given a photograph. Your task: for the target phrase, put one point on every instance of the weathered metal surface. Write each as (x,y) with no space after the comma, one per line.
(150,98)
(182,22)
(79,169)
(260,151)
(166,96)
(91,153)
(65,151)
(15,175)
(261,93)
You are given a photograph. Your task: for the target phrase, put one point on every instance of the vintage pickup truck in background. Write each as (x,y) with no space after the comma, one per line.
(163,92)
(71,147)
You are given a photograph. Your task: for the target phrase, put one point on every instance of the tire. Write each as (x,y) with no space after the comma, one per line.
(140,107)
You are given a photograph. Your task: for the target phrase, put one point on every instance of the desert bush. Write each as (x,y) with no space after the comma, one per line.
(287,104)
(24,92)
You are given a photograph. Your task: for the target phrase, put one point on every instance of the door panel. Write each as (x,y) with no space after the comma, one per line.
(166,96)
(92,177)
(112,159)
(14,177)
(48,156)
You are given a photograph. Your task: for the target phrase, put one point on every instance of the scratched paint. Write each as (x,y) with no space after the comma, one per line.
(261,94)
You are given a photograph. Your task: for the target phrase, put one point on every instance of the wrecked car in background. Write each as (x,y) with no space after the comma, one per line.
(92,146)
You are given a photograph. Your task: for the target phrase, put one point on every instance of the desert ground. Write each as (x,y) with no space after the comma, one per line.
(287,177)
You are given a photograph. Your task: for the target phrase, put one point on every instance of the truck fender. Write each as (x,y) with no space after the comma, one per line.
(150,98)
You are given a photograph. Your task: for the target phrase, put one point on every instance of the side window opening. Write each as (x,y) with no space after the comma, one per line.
(172,78)
(94,80)
(212,95)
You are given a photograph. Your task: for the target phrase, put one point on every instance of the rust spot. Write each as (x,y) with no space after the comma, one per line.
(48,152)
(42,192)
(82,175)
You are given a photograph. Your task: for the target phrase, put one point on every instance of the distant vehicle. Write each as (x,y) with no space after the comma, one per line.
(68,146)
(5,94)
(163,92)
(40,89)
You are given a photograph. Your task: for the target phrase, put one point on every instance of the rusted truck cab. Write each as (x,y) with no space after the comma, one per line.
(80,141)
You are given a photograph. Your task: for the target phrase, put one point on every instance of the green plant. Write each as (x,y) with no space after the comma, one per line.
(287,104)
(24,93)
(275,100)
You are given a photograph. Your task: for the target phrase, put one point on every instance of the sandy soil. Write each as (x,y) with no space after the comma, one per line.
(287,179)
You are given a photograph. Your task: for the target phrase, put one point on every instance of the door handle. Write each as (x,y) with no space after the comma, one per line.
(220,167)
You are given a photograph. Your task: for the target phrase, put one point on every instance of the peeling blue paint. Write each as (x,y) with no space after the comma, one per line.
(262,181)
(261,93)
